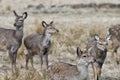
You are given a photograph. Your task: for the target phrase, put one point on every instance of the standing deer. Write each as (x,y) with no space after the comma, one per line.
(66,71)
(114,31)
(39,44)
(97,47)
(10,40)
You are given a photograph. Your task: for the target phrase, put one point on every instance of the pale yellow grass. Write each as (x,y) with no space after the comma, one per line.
(74,31)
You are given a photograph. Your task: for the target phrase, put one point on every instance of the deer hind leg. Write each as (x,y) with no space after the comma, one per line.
(30,56)
(31,60)
(41,62)
(27,60)
(93,67)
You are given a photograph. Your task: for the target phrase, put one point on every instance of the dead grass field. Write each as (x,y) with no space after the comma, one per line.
(75,26)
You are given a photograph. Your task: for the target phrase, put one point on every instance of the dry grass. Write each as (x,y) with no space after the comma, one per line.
(63,48)
(74,30)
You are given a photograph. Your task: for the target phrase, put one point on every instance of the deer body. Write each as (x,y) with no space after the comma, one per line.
(99,51)
(10,40)
(39,44)
(66,71)
(114,31)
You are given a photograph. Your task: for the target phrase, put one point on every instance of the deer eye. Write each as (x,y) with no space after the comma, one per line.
(84,56)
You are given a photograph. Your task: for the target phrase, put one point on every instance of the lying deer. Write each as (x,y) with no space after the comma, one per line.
(10,40)
(97,47)
(114,31)
(39,44)
(66,71)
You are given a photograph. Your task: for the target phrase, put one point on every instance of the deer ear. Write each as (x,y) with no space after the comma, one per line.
(15,13)
(108,37)
(25,15)
(44,24)
(96,37)
(51,22)
(79,52)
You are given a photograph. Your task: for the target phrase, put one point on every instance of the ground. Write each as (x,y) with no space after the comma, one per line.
(75,26)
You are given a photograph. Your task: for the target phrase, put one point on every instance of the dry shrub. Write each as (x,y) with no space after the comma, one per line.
(33,75)
(12,76)
(25,75)
(6,77)
(100,30)
(8,8)
(39,27)
(66,40)
(16,74)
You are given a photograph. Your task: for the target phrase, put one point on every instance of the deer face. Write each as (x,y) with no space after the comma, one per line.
(83,58)
(49,29)
(112,31)
(19,21)
(102,42)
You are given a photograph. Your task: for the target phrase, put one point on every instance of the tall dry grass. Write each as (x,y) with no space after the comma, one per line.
(74,30)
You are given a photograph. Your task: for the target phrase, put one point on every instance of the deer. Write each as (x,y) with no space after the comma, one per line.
(97,47)
(11,39)
(39,44)
(68,71)
(114,31)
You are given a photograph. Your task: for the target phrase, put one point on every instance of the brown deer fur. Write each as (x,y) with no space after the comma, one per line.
(11,40)
(99,51)
(39,44)
(114,31)
(66,71)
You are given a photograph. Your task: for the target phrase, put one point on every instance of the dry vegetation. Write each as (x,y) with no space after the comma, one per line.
(75,26)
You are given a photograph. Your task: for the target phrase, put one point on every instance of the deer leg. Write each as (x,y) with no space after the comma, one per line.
(93,70)
(46,61)
(12,55)
(98,73)
(27,60)
(14,61)
(13,52)
(11,59)
(41,62)
(31,60)
(98,68)
(116,55)
(41,59)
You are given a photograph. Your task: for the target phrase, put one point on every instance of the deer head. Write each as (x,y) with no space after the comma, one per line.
(102,42)
(19,21)
(49,28)
(83,58)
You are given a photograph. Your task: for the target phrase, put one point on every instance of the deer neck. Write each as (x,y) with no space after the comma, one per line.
(19,33)
(46,39)
(83,69)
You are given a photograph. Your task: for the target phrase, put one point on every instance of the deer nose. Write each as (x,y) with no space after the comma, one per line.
(57,30)
(14,24)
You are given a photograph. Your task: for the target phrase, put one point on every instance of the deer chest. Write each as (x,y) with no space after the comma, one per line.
(46,43)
